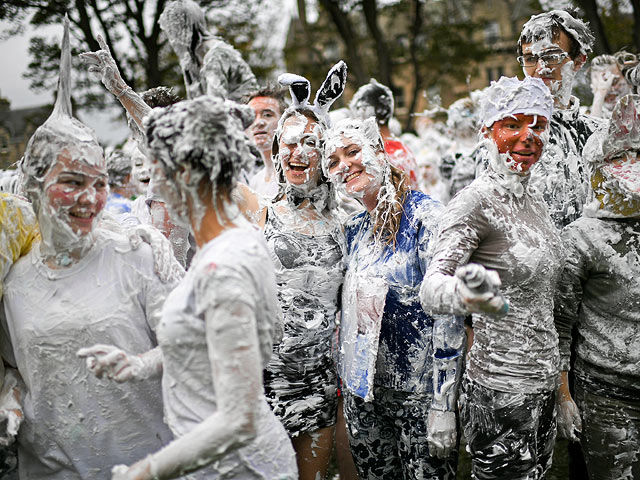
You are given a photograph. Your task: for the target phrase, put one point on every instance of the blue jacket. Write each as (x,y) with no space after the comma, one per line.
(408,350)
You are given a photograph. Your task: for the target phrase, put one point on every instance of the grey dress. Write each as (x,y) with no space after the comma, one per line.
(301,379)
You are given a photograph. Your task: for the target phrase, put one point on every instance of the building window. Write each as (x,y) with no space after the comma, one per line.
(492,33)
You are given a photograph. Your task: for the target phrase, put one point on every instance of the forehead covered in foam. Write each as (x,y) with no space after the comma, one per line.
(540,27)
(363,132)
(58,134)
(510,96)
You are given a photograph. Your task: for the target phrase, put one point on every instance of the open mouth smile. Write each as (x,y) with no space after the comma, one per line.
(351,176)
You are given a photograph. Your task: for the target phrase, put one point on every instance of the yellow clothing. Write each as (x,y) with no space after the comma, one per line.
(18,231)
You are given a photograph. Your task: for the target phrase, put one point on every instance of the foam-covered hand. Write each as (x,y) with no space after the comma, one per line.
(164,261)
(441,432)
(479,290)
(138,471)
(116,364)
(11,414)
(569,421)
(104,66)
(602,80)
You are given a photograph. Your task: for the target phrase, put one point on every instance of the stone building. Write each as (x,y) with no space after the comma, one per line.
(16,127)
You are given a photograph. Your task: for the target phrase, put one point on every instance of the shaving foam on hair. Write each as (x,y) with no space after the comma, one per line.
(540,27)
(194,141)
(510,96)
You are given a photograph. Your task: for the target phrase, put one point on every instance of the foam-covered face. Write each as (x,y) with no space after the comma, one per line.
(264,127)
(602,75)
(520,137)
(299,150)
(354,167)
(625,169)
(75,193)
(559,77)
(168,190)
(140,173)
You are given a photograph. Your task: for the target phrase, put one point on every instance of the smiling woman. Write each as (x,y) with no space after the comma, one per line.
(497,255)
(80,284)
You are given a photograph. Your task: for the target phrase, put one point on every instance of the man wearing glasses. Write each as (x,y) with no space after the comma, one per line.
(553,46)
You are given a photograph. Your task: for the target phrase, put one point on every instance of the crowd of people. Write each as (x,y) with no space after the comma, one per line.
(291,281)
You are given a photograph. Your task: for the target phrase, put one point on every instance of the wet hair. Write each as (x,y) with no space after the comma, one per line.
(555,22)
(119,167)
(207,135)
(388,213)
(160,97)
(270,91)
(377,96)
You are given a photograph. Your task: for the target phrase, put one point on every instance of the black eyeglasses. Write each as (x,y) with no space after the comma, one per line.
(531,60)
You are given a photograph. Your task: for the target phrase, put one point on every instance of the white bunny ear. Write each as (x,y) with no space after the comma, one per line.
(332,87)
(299,87)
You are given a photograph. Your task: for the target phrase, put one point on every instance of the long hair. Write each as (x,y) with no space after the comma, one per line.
(387,215)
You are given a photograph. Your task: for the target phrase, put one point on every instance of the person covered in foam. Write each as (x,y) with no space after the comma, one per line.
(399,366)
(607,84)
(79,284)
(553,46)
(209,64)
(599,294)
(498,255)
(302,224)
(376,100)
(218,326)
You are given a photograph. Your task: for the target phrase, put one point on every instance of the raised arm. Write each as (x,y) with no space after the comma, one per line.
(103,64)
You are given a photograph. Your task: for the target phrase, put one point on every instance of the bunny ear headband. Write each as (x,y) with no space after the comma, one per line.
(327,94)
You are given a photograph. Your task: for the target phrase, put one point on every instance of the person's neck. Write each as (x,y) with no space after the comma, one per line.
(385,133)
(268,164)
(210,225)
(57,257)
(370,199)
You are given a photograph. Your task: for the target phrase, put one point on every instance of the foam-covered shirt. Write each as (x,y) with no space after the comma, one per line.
(408,349)
(77,426)
(600,293)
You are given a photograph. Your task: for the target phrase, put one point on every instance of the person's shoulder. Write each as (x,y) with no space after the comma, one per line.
(355,220)
(419,203)
(117,246)
(11,205)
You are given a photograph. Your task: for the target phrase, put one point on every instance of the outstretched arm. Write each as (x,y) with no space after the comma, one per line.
(236,366)
(103,64)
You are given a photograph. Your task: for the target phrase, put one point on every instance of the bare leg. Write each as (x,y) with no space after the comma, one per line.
(346,467)
(313,451)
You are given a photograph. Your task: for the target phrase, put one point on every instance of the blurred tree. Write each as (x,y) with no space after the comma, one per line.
(131,29)
(615,23)
(421,43)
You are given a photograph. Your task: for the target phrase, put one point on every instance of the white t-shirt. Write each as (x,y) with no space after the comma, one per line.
(77,426)
(231,276)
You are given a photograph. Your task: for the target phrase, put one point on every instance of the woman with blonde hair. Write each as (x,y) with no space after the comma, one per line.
(399,366)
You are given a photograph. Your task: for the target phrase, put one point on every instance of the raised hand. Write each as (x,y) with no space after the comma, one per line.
(104,66)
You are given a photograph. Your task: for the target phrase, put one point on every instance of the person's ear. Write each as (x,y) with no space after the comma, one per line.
(578,62)
(485,131)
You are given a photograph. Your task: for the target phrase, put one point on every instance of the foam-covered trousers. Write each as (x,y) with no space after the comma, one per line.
(388,437)
(509,435)
(610,433)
